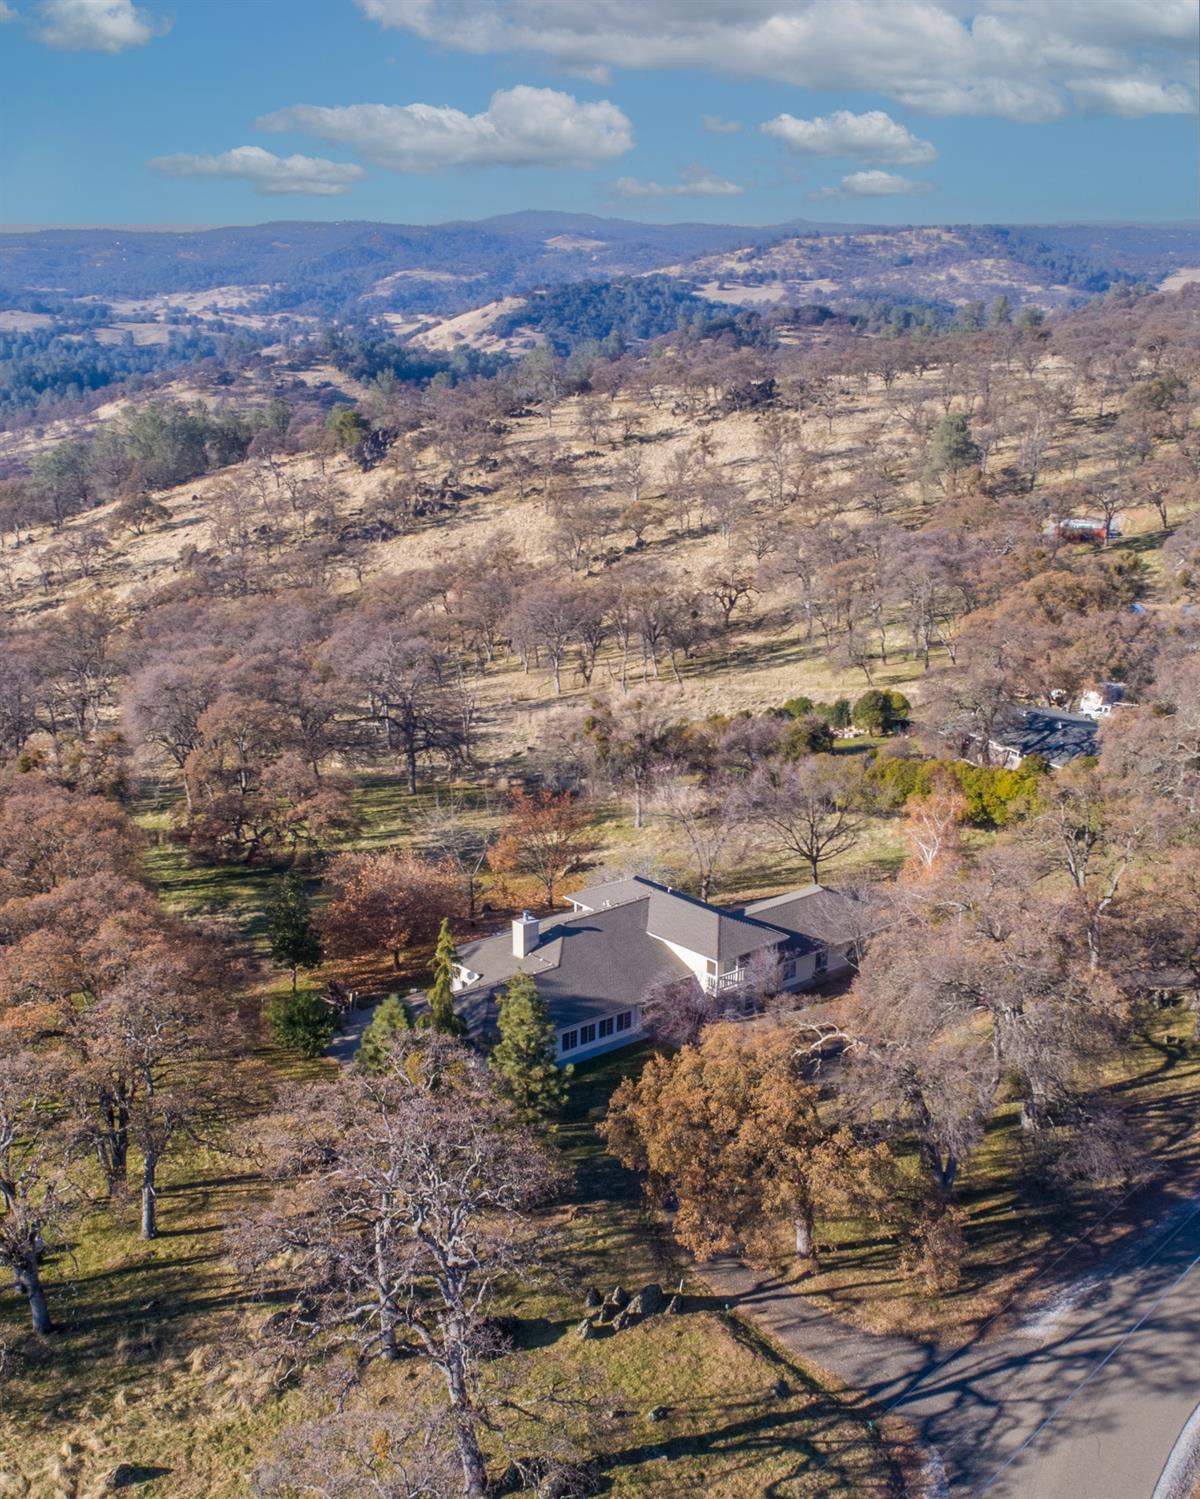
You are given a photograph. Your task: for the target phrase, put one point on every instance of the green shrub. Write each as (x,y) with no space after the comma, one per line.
(895,778)
(303,1021)
(390,1020)
(881,712)
(807,736)
(346,425)
(995,796)
(835,714)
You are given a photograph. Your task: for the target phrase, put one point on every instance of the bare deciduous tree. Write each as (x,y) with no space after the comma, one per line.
(405,1196)
(810,808)
(39,1192)
(457,831)
(710,823)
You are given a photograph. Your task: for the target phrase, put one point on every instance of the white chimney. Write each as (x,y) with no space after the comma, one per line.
(525,935)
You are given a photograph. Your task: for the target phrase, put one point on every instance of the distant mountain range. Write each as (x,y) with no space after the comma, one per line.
(335,268)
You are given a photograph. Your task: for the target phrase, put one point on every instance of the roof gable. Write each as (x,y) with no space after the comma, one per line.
(684,920)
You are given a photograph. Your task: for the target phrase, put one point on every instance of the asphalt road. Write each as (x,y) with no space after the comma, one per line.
(1084,1399)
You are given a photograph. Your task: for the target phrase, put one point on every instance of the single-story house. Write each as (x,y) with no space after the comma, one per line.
(1057,736)
(593,965)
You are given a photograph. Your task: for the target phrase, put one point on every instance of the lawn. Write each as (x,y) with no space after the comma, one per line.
(727,1431)
(155,1363)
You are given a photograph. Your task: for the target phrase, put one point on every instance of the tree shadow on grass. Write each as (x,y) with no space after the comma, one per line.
(752,1433)
(130,1475)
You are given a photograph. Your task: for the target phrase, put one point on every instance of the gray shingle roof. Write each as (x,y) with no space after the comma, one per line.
(683,919)
(706,929)
(601,961)
(614,892)
(815,916)
(586,966)
(1058,737)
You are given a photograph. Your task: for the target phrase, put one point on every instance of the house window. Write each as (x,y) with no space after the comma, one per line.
(712,967)
(625,1020)
(788,972)
(587,1034)
(822,963)
(569,1041)
(606,1027)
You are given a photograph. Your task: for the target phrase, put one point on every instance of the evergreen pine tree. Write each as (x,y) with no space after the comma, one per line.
(524,1056)
(293,940)
(390,1020)
(303,1021)
(441,991)
(953,448)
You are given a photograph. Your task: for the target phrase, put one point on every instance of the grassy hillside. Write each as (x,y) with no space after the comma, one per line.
(826,510)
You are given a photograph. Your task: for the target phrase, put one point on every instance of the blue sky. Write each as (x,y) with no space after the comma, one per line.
(750,111)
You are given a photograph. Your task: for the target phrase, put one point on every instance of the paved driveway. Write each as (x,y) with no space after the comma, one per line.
(1084,1399)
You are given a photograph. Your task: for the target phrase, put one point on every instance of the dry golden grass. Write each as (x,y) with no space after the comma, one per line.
(157,1364)
(1015,1228)
(154,1363)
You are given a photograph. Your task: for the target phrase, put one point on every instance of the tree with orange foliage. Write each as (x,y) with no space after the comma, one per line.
(136,996)
(544,839)
(393,901)
(933,827)
(730,1129)
(49,834)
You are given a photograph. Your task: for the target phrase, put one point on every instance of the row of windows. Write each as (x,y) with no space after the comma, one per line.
(586,1035)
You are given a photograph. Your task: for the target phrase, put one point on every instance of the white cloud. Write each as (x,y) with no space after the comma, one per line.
(521,127)
(716,125)
(1130,97)
(6,12)
(873,136)
(1109,23)
(873,184)
(985,57)
(269,174)
(95,25)
(694,182)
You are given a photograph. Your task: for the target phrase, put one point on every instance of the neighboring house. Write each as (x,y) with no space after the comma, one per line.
(592,966)
(1083,528)
(1100,702)
(1058,737)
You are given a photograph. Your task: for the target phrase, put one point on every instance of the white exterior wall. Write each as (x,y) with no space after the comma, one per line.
(695,962)
(806,974)
(806,971)
(838,960)
(602,1043)
(1004,756)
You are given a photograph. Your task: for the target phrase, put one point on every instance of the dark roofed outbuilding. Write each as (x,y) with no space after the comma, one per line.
(1058,737)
